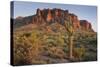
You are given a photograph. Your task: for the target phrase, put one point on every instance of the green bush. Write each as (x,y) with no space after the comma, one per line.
(79,52)
(26,47)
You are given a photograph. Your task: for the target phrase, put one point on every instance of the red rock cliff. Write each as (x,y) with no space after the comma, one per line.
(85,25)
(49,16)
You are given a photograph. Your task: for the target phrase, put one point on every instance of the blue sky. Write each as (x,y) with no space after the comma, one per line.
(83,12)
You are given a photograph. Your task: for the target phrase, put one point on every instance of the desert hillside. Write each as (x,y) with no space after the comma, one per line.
(53,36)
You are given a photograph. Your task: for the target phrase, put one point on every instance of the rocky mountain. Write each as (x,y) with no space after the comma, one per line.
(85,25)
(49,16)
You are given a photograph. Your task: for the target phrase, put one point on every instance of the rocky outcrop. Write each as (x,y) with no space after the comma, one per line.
(56,15)
(75,21)
(85,25)
(49,16)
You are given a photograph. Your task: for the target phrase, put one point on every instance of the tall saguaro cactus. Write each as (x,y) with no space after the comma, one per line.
(70,31)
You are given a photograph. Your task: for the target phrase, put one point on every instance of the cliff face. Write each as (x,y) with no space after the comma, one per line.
(75,21)
(48,16)
(85,25)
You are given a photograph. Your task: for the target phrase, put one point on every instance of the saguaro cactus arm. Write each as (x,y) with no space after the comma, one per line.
(69,26)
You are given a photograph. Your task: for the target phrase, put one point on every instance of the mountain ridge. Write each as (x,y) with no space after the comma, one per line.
(49,16)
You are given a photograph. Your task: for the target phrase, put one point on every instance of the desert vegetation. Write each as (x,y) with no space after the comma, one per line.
(48,37)
(42,47)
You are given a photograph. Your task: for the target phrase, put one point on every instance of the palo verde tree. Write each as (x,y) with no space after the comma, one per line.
(70,32)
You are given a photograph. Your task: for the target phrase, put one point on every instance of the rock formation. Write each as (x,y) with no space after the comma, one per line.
(48,16)
(85,25)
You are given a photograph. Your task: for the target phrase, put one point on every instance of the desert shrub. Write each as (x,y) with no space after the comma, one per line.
(56,52)
(27,34)
(90,56)
(50,42)
(54,41)
(26,48)
(79,52)
(65,49)
(60,40)
(93,42)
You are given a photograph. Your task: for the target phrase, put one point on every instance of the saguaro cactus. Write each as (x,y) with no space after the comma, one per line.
(70,31)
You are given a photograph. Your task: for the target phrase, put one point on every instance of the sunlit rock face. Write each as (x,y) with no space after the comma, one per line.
(55,15)
(85,25)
